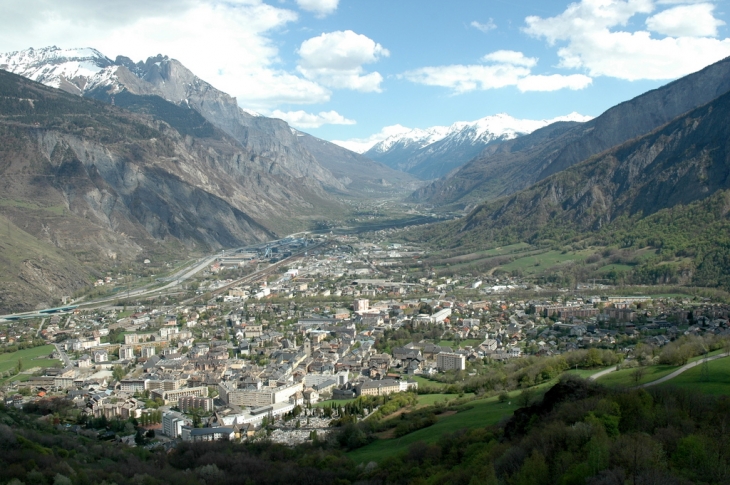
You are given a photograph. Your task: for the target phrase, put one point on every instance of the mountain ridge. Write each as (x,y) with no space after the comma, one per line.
(510,166)
(435,151)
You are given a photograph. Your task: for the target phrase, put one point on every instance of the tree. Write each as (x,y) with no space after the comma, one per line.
(638,374)
(118,372)
(19,366)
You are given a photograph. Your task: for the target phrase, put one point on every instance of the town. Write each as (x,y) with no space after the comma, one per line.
(270,341)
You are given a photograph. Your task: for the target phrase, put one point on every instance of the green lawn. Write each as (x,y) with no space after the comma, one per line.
(422,381)
(35,357)
(717,382)
(484,412)
(431,399)
(623,377)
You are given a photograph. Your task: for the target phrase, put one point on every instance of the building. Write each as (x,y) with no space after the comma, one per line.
(172,424)
(207,434)
(133,385)
(173,396)
(361,305)
(378,388)
(188,403)
(254,397)
(450,361)
(126,352)
(148,352)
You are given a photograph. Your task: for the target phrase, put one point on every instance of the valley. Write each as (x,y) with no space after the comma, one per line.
(195,292)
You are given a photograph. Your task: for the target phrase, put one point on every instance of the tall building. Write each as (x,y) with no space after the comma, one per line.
(450,361)
(126,353)
(362,305)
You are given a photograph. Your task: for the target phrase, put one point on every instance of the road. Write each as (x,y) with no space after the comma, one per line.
(66,360)
(602,373)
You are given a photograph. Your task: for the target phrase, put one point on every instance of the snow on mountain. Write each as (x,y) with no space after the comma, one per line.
(70,69)
(433,152)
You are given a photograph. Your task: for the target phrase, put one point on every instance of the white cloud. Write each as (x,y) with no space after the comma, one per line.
(553,82)
(226,43)
(335,60)
(591,44)
(320,8)
(361,145)
(510,57)
(302,119)
(486,27)
(506,68)
(686,21)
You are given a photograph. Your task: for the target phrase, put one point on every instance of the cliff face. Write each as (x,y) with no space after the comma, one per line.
(682,162)
(511,166)
(97,184)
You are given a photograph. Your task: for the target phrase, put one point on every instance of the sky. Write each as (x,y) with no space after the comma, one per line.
(356,71)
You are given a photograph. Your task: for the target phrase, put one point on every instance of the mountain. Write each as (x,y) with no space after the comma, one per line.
(359,174)
(668,191)
(436,151)
(88,185)
(89,73)
(505,168)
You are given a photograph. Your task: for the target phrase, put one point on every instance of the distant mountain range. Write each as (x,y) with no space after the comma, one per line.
(436,151)
(507,167)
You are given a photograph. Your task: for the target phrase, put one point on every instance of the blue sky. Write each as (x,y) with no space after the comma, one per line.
(348,69)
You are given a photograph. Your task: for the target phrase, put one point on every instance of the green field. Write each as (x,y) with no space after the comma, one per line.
(34,357)
(431,399)
(615,266)
(623,377)
(538,263)
(484,412)
(422,381)
(717,381)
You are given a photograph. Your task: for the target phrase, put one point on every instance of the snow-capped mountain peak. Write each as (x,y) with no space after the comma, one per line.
(441,147)
(57,67)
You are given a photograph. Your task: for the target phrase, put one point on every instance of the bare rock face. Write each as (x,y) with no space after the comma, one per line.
(510,166)
(86,184)
(684,161)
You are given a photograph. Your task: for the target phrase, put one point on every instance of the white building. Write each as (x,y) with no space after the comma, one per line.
(450,361)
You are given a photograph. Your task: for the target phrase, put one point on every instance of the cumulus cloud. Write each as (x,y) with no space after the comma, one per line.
(302,119)
(484,27)
(686,21)
(591,37)
(227,43)
(361,145)
(320,8)
(504,68)
(336,59)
